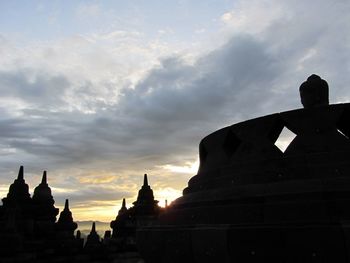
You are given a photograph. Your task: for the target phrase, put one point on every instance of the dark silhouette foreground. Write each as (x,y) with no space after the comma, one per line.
(251,202)
(30,233)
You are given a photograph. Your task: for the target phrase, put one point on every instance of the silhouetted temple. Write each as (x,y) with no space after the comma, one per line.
(30,232)
(251,202)
(144,212)
(30,224)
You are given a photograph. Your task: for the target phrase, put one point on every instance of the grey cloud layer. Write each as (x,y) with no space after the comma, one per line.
(162,119)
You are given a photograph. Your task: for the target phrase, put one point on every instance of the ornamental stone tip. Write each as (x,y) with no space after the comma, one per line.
(66,205)
(20,173)
(145,180)
(314,92)
(44,178)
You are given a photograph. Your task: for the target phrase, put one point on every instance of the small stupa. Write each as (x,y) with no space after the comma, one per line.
(143,212)
(123,209)
(252,202)
(145,203)
(65,222)
(43,202)
(93,240)
(18,194)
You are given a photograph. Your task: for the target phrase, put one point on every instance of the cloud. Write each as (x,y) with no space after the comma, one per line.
(98,111)
(40,90)
(88,11)
(255,16)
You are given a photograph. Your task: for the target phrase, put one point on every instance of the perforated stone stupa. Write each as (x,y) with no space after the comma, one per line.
(251,202)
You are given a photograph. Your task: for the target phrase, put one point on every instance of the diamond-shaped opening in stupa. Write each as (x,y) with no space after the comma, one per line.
(284,139)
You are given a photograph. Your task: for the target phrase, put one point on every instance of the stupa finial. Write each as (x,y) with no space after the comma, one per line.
(66,205)
(145,180)
(20,173)
(44,178)
(314,92)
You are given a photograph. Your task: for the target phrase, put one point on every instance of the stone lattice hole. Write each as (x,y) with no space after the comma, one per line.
(284,139)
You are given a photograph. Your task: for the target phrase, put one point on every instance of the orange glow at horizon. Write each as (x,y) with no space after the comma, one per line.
(105,208)
(105,212)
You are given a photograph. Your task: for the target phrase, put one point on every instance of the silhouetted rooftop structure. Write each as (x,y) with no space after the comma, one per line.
(65,222)
(251,202)
(144,212)
(30,233)
(123,209)
(314,92)
(145,196)
(44,202)
(93,240)
(18,194)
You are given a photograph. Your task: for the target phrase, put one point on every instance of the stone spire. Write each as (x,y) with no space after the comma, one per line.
(65,222)
(123,209)
(44,179)
(122,213)
(93,239)
(145,199)
(78,236)
(20,176)
(79,240)
(66,205)
(43,201)
(18,194)
(145,180)
(43,192)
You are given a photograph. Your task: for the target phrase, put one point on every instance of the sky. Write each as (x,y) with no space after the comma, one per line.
(99,93)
